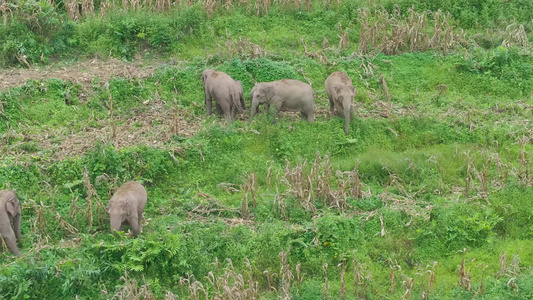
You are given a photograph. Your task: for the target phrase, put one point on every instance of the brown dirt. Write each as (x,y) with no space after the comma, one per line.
(82,72)
(154,127)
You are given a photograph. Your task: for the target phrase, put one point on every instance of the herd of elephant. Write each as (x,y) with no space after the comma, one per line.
(282,95)
(127,204)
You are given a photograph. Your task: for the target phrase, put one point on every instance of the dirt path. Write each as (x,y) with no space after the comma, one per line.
(81,72)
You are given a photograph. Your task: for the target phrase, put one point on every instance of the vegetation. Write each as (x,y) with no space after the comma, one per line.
(428,196)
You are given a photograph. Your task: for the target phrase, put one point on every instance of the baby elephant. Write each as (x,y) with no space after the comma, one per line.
(284,95)
(10,220)
(341,92)
(127,206)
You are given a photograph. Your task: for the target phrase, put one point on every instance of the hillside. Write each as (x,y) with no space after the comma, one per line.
(428,196)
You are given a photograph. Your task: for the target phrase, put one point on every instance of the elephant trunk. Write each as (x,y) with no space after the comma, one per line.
(347,116)
(11,243)
(253,109)
(135,224)
(8,235)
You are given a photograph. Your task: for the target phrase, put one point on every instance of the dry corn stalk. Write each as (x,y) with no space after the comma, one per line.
(395,33)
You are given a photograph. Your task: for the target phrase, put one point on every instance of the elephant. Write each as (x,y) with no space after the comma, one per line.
(341,93)
(10,215)
(127,206)
(238,83)
(225,91)
(284,95)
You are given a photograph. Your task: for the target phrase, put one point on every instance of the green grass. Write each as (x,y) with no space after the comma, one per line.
(439,173)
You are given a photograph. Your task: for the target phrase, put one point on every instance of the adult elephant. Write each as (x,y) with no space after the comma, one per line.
(226,92)
(341,93)
(284,95)
(10,215)
(127,206)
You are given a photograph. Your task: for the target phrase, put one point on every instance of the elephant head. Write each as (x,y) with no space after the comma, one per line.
(119,211)
(10,213)
(341,93)
(205,74)
(260,94)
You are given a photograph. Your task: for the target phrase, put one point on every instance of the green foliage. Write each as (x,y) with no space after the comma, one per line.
(456,227)
(144,164)
(473,13)
(438,172)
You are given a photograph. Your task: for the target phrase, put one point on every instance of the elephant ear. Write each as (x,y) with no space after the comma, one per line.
(270,91)
(354,91)
(12,206)
(206,74)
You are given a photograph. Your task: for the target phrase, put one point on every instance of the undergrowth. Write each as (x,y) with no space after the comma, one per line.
(428,196)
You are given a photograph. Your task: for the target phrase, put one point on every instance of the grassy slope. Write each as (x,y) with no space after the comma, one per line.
(424,140)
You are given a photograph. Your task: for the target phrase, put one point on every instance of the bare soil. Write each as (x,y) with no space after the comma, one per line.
(82,72)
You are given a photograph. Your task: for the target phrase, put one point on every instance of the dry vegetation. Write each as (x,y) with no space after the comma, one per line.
(153,127)
(395,33)
(83,72)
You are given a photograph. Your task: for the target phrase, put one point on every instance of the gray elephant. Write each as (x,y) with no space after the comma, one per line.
(225,91)
(341,92)
(127,206)
(284,95)
(10,215)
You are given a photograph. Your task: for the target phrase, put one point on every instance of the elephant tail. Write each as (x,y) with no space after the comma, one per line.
(235,98)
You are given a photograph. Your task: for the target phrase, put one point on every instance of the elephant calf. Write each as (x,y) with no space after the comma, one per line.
(341,92)
(284,95)
(127,206)
(10,220)
(225,91)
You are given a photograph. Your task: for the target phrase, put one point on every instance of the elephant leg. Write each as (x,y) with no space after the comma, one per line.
(135,224)
(276,117)
(331,105)
(276,107)
(339,111)
(276,103)
(141,218)
(243,103)
(226,109)
(208,103)
(311,116)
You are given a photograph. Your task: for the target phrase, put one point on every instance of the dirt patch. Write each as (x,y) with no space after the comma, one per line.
(154,126)
(82,72)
